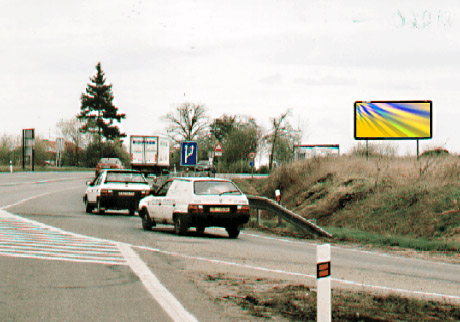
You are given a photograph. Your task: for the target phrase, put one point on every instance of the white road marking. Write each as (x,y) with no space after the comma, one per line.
(25,238)
(340,281)
(381,254)
(38,181)
(167,301)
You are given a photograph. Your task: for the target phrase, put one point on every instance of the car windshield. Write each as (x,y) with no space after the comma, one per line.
(131,177)
(215,188)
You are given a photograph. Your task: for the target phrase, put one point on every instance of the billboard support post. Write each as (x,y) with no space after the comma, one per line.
(417,150)
(367,150)
(393,120)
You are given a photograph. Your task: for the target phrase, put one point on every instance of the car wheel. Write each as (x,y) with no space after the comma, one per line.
(89,208)
(147,223)
(233,231)
(180,226)
(200,230)
(100,211)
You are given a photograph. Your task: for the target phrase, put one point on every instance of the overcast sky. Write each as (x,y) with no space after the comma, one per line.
(255,58)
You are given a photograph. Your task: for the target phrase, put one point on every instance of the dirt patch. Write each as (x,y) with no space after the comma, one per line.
(259,299)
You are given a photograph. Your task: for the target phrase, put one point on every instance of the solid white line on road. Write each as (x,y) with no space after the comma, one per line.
(38,181)
(167,301)
(376,253)
(337,280)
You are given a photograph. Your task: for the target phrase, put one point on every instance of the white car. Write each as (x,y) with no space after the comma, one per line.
(116,189)
(196,202)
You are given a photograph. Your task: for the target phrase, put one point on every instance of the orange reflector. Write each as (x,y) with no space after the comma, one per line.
(323,269)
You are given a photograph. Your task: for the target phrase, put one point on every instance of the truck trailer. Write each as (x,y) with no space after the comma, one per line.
(149,153)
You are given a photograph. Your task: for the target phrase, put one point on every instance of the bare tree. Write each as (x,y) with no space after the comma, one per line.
(70,131)
(281,138)
(188,123)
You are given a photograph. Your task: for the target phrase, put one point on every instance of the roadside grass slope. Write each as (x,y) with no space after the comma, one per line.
(387,201)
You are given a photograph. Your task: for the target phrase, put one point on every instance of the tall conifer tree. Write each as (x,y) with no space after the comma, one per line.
(97,111)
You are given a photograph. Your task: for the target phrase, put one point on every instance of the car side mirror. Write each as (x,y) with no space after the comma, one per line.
(89,183)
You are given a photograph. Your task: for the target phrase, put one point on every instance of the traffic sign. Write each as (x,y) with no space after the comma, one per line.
(189,153)
(252,155)
(218,150)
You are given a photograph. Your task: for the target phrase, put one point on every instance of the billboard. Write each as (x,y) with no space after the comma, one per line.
(379,120)
(306,151)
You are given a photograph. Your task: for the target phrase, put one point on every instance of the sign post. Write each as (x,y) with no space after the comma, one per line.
(323,274)
(252,156)
(218,153)
(28,137)
(59,149)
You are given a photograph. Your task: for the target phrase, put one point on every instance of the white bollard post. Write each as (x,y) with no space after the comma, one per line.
(323,283)
(11,166)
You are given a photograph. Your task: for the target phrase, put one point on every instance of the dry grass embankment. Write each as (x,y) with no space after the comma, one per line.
(387,201)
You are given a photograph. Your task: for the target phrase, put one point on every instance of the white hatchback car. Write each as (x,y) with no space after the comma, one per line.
(196,202)
(116,189)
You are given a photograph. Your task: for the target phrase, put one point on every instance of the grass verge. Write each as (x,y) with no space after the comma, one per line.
(283,301)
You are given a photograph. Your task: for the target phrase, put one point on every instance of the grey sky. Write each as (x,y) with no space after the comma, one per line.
(255,58)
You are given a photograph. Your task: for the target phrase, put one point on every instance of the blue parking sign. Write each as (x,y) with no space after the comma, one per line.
(189,153)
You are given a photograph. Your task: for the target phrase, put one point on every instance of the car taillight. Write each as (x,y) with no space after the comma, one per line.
(243,209)
(145,193)
(195,209)
(106,192)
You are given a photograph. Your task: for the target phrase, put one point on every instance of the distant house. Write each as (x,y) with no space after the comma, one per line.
(50,152)
(305,151)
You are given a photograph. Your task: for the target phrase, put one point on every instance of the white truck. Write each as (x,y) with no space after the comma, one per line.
(149,153)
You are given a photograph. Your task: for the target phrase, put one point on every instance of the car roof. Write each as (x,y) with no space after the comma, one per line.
(121,170)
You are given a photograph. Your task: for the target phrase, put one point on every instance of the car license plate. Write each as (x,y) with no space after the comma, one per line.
(126,193)
(219,209)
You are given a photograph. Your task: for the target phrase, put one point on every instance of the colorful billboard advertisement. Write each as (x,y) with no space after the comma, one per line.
(379,120)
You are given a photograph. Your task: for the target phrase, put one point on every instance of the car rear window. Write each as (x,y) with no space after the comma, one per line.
(130,177)
(111,161)
(215,188)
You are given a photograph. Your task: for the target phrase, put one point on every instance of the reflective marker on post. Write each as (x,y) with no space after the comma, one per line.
(323,273)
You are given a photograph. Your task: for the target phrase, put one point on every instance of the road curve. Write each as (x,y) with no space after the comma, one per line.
(54,200)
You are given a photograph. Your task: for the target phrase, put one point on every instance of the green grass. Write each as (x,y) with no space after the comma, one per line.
(363,237)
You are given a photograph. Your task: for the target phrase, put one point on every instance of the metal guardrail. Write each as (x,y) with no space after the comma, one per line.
(286,214)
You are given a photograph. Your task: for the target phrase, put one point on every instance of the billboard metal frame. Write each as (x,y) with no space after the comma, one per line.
(394,138)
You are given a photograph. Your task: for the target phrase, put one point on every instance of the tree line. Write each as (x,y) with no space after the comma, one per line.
(95,132)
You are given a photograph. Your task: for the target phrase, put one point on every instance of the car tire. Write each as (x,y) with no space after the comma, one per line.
(100,211)
(200,230)
(147,223)
(88,207)
(233,231)
(180,225)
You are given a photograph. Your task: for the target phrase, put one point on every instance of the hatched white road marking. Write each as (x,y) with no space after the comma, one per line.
(25,238)
(20,237)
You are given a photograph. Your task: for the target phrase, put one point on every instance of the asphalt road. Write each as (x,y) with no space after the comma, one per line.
(58,263)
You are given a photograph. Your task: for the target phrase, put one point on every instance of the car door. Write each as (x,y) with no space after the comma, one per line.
(156,202)
(169,202)
(94,189)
